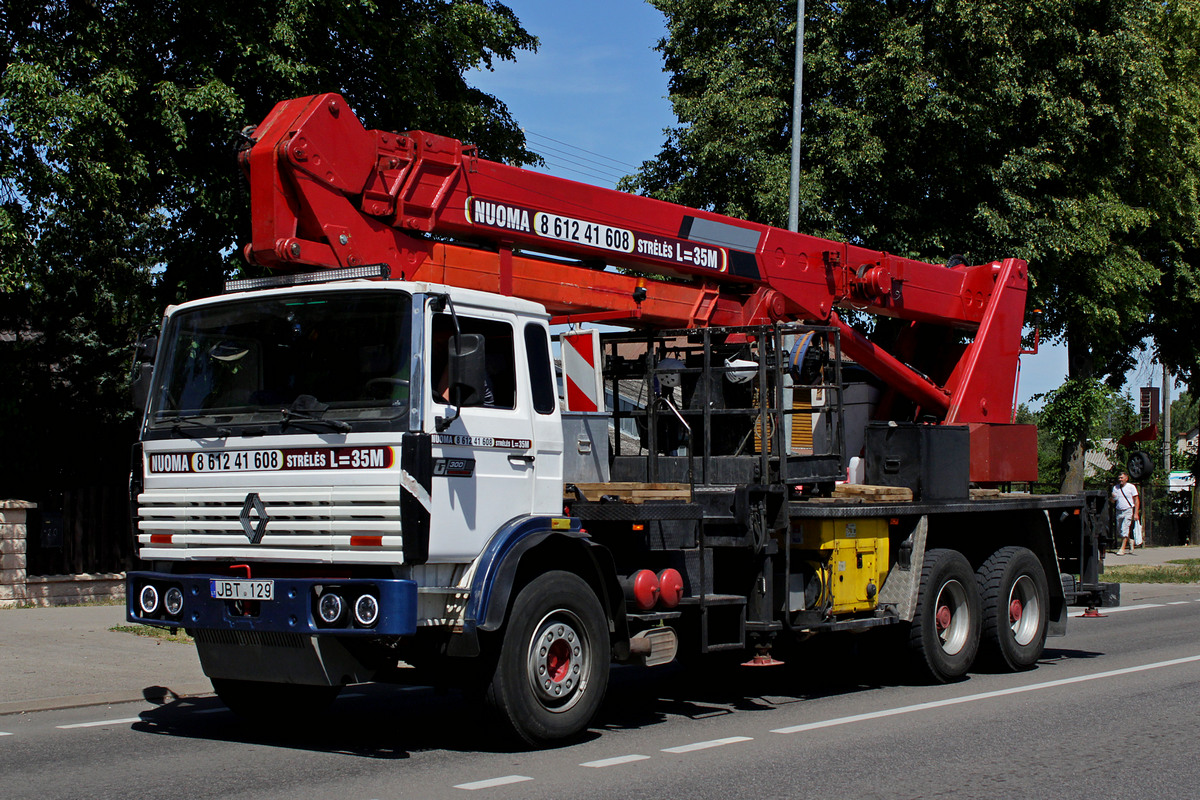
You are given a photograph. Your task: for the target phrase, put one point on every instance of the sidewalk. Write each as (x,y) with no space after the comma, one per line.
(67,656)
(1151,556)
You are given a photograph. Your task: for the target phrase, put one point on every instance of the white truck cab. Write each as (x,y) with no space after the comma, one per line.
(335,459)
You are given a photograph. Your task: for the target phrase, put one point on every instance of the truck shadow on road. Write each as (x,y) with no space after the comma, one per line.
(639,698)
(373,721)
(396,722)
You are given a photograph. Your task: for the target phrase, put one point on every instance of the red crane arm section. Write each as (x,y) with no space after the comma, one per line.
(325,191)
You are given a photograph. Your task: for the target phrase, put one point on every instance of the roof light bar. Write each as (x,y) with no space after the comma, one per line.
(303,278)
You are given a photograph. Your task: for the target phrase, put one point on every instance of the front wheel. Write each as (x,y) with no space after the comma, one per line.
(554,659)
(1015,594)
(945,632)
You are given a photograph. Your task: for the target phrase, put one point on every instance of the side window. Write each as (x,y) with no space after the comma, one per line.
(541,378)
(501,387)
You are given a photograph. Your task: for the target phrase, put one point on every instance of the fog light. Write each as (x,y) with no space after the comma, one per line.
(366,610)
(173,601)
(330,607)
(149,599)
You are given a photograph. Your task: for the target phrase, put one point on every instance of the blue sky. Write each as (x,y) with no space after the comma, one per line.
(593,102)
(596,83)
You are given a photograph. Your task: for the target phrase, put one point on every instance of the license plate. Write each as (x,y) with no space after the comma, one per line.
(242,590)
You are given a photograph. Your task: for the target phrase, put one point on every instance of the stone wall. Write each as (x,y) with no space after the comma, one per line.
(65,590)
(13,514)
(19,588)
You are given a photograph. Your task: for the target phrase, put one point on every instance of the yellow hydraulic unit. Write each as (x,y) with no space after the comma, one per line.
(838,565)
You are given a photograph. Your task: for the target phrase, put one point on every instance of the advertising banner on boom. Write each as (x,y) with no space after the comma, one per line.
(542,224)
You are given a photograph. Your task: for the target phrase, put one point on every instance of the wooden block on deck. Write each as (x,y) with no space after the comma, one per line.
(633,492)
(874,494)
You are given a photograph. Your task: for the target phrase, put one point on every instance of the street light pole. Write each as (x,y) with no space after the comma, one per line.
(1168,445)
(797,96)
(789,399)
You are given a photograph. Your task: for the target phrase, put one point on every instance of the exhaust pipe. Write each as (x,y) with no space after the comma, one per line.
(654,647)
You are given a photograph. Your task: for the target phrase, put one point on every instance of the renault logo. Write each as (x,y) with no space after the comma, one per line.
(254,532)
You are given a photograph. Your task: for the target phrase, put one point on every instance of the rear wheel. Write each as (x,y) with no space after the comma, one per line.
(554,659)
(1015,598)
(944,637)
(260,701)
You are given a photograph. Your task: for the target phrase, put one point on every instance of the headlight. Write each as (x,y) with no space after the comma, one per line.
(148,599)
(173,601)
(366,610)
(330,607)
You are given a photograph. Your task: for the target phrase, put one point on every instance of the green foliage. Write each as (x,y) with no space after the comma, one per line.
(119,187)
(1185,413)
(731,66)
(1074,405)
(162,634)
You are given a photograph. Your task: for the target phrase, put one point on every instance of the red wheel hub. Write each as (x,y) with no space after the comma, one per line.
(558,660)
(1015,610)
(943,618)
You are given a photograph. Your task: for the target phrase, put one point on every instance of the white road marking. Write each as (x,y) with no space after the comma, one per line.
(5,733)
(493,782)
(1119,609)
(691,748)
(891,712)
(1179,603)
(101,723)
(612,762)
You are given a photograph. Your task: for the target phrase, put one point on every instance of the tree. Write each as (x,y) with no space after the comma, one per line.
(1064,133)
(119,187)
(1185,413)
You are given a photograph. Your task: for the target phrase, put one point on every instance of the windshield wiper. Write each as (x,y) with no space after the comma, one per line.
(297,413)
(193,420)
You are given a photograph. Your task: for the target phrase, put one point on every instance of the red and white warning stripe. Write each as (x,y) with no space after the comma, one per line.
(581,370)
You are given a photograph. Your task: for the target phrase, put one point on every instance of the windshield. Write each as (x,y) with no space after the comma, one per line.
(339,355)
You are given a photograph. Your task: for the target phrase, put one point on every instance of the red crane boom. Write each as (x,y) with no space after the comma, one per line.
(327,192)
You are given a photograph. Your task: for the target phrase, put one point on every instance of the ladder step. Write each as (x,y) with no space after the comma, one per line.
(715,600)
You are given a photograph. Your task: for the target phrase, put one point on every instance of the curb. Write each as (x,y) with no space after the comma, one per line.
(158,695)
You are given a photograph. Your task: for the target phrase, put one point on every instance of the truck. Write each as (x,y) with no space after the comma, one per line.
(484,427)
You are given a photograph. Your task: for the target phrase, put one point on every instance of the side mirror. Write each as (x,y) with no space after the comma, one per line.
(143,369)
(146,350)
(140,388)
(467,370)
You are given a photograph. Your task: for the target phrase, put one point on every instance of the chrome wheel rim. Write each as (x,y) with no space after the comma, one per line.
(1024,610)
(952,617)
(559,660)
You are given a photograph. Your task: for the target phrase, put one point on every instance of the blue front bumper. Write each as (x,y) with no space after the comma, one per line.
(293,609)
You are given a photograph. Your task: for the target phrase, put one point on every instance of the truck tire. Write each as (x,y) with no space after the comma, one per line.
(263,702)
(944,637)
(1015,601)
(554,659)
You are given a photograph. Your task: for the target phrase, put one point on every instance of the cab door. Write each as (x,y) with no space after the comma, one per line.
(546,419)
(484,460)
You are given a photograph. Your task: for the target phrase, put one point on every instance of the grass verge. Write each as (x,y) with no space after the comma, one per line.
(162,634)
(1183,570)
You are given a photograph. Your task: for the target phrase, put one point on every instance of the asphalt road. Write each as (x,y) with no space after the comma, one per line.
(1113,711)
